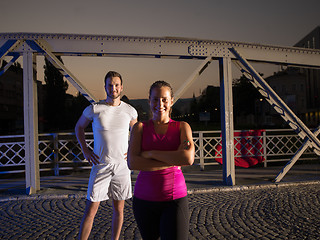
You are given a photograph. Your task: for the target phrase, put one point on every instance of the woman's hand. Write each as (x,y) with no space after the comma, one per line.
(185,145)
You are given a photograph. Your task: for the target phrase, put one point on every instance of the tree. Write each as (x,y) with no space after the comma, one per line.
(55,97)
(245,96)
(125,99)
(74,110)
(11,99)
(210,102)
(194,109)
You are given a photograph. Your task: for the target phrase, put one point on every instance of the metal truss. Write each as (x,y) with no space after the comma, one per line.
(9,64)
(53,45)
(8,48)
(165,47)
(192,78)
(307,143)
(310,139)
(275,101)
(41,45)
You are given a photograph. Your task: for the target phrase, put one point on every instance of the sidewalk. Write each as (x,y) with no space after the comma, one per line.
(209,180)
(255,208)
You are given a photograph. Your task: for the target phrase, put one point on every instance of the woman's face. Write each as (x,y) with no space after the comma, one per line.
(161,102)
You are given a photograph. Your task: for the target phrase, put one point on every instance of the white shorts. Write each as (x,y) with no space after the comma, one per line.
(109,181)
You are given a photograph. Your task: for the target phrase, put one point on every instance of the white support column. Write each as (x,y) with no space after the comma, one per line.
(201,151)
(31,123)
(227,130)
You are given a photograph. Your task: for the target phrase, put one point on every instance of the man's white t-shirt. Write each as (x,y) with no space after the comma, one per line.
(110,125)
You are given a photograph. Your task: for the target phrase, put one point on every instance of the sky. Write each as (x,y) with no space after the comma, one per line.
(272,22)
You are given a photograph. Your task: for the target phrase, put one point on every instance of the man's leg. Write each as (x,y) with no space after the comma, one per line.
(117,218)
(87,219)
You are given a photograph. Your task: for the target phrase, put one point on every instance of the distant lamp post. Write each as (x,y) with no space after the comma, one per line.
(204,117)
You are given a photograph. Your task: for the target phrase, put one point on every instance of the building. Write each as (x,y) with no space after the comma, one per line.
(312,40)
(290,85)
(299,88)
(11,101)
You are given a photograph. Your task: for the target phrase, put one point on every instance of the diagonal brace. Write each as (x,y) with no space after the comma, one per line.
(192,78)
(44,46)
(275,101)
(9,64)
(9,46)
(295,158)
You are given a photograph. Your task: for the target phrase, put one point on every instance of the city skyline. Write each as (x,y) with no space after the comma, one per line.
(273,23)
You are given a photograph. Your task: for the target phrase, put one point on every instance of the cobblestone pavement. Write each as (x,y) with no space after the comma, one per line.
(283,212)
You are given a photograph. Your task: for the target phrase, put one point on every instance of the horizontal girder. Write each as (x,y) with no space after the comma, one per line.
(164,47)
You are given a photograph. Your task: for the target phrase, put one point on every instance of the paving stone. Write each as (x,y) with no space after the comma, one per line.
(283,211)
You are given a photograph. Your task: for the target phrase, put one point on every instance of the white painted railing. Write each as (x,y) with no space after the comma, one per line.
(61,151)
(273,145)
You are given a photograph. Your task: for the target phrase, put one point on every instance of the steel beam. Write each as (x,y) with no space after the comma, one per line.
(296,157)
(275,101)
(31,123)
(9,46)
(173,47)
(41,45)
(227,129)
(9,64)
(192,78)
(53,45)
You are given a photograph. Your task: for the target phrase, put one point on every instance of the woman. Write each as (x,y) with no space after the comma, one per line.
(158,148)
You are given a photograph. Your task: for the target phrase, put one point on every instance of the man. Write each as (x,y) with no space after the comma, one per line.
(110,176)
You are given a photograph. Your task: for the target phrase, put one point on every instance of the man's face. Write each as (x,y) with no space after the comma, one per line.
(113,87)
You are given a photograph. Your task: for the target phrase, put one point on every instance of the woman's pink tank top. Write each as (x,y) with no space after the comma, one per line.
(162,185)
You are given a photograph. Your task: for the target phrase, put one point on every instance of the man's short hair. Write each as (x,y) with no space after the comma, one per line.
(112,74)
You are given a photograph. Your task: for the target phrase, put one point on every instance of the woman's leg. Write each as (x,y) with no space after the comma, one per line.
(147,216)
(175,220)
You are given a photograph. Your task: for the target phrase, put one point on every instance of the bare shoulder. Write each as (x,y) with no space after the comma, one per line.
(185,125)
(138,126)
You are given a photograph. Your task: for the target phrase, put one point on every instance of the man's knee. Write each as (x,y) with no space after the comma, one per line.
(118,206)
(91,208)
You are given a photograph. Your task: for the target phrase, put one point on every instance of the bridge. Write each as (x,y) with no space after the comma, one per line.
(227,53)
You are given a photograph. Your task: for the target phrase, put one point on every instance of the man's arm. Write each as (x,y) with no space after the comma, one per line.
(132,123)
(80,127)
